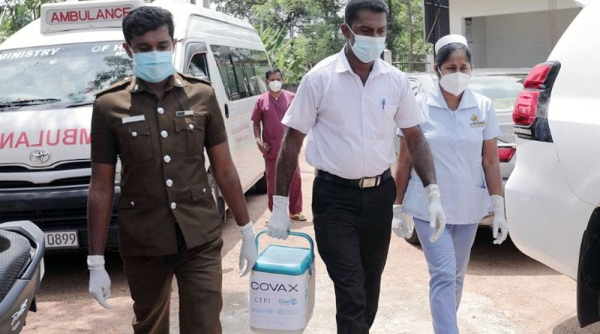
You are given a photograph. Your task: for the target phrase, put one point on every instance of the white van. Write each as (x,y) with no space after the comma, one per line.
(553,194)
(49,73)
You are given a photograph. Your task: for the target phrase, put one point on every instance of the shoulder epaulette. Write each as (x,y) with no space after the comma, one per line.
(204,80)
(119,85)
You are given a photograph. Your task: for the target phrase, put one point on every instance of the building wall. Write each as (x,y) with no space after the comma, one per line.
(459,9)
(477,41)
(511,33)
(523,40)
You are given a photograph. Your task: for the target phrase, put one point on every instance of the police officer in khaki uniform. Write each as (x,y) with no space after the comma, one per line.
(159,123)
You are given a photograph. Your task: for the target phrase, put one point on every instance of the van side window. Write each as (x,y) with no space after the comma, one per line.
(242,70)
(222,57)
(260,63)
(198,66)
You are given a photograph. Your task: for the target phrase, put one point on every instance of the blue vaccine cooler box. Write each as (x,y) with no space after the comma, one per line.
(281,294)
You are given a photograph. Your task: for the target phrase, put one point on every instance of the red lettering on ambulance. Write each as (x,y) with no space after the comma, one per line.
(57,137)
(64,17)
(100,15)
(23,140)
(6,140)
(70,137)
(45,138)
(40,140)
(110,13)
(84,137)
(114,13)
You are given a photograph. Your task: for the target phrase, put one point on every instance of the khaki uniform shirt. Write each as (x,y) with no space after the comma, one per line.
(161,146)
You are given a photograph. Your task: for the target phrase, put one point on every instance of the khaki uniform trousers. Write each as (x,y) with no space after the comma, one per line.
(199,278)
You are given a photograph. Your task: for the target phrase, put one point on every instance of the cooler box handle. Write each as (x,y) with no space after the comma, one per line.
(297,234)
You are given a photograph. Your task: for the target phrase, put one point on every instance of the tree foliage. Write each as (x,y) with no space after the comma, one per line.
(307,31)
(297,33)
(405,27)
(280,51)
(15,14)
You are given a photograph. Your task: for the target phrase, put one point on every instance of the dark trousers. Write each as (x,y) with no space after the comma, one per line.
(352,229)
(199,278)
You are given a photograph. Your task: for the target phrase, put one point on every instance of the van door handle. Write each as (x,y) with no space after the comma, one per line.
(226,111)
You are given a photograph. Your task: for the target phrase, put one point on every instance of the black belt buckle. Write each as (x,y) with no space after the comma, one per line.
(369,182)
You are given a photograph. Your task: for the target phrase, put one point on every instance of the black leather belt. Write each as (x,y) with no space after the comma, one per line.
(365,182)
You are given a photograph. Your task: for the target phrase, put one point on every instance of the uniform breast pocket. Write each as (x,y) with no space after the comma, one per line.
(190,131)
(136,144)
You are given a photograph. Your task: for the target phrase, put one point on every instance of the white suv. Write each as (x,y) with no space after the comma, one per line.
(553,194)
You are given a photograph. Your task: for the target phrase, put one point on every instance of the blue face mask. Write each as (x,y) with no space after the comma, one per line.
(366,48)
(154,66)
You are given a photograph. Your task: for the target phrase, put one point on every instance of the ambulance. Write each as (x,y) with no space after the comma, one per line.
(49,73)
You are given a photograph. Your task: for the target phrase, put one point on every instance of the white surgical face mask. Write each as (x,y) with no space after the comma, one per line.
(275,85)
(154,66)
(455,83)
(366,48)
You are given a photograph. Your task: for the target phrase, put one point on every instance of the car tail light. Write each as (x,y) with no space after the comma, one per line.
(537,77)
(525,110)
(530,113)
(506,153)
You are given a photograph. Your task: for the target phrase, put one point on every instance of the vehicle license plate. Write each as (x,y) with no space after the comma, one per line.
(62,239)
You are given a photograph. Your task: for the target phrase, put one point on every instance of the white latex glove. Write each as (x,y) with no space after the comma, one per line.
(437,217)
(279,223)
(499,222)
(99,280)
(399,225)
(248,252)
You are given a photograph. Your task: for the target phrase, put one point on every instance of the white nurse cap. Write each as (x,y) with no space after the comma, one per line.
(448,39)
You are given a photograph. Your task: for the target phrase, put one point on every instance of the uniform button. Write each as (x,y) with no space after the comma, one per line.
(134,134)
(135,87)
(173,205)
(191,126)
(164,134)
(160,111)
(167,158)
(169,183)
(132,203)
(178,82)
(204,190)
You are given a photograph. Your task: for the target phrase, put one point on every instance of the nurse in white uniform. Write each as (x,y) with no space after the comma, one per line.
(461,129)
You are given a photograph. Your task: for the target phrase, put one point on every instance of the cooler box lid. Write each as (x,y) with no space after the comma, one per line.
(277,259)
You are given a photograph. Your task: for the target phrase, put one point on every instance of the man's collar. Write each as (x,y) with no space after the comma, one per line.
(342,64)
(138,85)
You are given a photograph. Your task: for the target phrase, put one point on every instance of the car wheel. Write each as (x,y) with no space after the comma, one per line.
(412,237)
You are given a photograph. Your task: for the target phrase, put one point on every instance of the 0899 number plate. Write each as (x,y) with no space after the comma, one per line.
(62,239)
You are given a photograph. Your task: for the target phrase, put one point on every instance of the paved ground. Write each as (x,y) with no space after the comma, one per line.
(505,291)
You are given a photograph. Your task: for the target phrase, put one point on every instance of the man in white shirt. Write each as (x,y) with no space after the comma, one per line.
(350,105)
